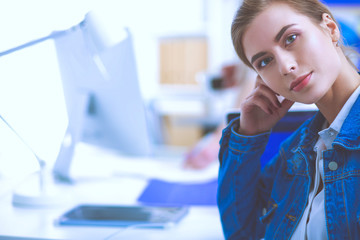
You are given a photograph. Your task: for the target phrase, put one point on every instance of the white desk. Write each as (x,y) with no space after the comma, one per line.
(39,223)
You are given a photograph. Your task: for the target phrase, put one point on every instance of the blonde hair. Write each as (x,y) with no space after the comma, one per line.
(249,9)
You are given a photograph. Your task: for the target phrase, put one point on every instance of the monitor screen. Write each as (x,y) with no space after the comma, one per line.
(102,94)
(283,129)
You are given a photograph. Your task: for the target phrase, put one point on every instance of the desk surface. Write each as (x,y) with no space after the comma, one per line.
(40,223)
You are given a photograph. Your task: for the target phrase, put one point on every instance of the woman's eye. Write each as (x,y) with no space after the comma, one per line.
(290,39)
(264,62)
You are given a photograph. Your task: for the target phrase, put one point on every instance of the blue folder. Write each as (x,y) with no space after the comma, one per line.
(160,192)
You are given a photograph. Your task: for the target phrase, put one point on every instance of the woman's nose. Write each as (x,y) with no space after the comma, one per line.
(287,64)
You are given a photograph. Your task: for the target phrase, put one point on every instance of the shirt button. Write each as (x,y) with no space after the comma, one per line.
(333,166)
(264,211)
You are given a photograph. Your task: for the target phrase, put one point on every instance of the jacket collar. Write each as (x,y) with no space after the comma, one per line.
(349,135)
(310,132)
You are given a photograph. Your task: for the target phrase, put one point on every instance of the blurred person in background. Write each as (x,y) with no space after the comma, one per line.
(241,80)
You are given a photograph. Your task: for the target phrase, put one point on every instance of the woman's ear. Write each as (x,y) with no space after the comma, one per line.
(330,26)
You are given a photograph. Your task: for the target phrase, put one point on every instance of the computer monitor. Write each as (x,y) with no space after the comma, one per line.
(102,94)
(282,130)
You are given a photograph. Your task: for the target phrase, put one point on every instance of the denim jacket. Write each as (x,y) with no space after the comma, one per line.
(268,203)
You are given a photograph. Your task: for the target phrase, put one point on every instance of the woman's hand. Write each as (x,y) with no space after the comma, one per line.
(261,110)
(205,152)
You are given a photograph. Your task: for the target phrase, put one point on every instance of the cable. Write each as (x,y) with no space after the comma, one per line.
(41,162)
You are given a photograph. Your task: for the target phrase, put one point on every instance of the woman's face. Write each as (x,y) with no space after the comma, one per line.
(294,56)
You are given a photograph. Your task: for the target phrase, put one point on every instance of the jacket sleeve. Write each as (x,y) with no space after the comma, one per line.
(243,190)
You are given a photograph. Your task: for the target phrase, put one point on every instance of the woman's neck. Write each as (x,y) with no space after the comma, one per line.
(333,101)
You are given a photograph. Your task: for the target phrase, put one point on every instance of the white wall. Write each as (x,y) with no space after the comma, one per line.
(23,20)
(220,16)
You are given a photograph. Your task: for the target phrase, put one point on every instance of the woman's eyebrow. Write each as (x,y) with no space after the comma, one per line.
(282,31)
(256,56)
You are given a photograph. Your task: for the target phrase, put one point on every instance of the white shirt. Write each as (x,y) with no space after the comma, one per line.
(312,224)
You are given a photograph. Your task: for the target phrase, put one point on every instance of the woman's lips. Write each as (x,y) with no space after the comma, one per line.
(300,82)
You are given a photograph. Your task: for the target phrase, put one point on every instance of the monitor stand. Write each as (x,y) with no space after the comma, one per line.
(72,136)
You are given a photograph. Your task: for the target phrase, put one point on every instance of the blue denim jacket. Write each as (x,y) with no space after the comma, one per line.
(268,203)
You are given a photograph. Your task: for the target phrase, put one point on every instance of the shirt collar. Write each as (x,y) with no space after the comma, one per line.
(329,134)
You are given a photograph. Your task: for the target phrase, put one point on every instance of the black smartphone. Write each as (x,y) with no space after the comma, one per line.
(119,215)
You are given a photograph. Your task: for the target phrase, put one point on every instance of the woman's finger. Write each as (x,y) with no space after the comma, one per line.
(270,94)
(261,101)
(259,81)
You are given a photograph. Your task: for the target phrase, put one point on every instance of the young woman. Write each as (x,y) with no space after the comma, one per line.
(311,188)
